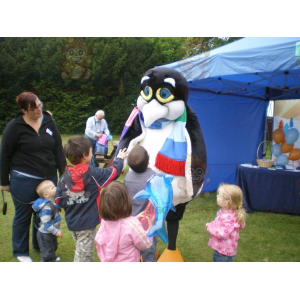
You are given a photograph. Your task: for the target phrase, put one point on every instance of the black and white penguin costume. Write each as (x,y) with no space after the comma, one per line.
(169,130)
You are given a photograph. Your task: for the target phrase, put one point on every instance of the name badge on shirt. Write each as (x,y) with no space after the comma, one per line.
(49,131)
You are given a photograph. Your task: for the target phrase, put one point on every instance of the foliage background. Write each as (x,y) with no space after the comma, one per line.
(115,66)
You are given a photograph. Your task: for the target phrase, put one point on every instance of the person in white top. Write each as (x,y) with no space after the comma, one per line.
(95,127)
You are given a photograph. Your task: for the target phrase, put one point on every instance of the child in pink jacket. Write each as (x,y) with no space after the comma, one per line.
(230,218)
(120,237)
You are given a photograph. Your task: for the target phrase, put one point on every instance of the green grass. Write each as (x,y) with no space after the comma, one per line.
(267,236)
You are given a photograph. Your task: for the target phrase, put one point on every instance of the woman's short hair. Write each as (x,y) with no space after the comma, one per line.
(26,101)
(75,148)
(115,202)
(138,159)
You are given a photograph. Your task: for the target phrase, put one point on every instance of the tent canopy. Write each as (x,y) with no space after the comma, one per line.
(230,87)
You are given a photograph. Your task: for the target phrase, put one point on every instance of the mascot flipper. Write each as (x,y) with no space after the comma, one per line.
(169,130)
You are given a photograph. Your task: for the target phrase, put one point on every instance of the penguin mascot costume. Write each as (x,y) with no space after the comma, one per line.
(169,130)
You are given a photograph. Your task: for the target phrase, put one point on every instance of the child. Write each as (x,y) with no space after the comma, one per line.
(78,193)
(135,180)
(230,218)
(49,220)
(121,236)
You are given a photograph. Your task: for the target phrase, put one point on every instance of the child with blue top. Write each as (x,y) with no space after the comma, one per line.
(48,220)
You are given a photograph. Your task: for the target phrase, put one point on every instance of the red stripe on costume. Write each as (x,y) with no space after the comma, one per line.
(111,177)
(169,165)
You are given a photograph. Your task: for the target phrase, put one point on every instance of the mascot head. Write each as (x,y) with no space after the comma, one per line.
(163,95)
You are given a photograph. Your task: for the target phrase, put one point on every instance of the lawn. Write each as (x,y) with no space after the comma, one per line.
(267,236)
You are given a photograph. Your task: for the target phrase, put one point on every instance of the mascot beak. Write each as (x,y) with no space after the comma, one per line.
(153,111)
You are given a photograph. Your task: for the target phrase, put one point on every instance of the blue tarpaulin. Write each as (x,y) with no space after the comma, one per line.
(230,88)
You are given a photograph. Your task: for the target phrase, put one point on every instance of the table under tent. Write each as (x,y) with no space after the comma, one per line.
(230,89)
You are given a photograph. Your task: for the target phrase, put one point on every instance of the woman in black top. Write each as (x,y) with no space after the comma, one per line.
(31,151)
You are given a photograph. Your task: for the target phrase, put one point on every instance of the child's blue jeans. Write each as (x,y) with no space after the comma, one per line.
(48,246)
(218,257)
(149,255)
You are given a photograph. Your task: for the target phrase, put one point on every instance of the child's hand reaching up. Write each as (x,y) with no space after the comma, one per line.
(123,153)
(59,233)
(150,222)
(141,217)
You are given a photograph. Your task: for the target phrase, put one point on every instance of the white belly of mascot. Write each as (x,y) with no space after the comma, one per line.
(153,141)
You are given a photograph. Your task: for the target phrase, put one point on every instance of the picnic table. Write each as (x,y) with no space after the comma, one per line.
(107,160)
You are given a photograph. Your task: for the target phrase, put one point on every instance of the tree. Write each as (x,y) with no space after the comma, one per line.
(107,77)
(196,45)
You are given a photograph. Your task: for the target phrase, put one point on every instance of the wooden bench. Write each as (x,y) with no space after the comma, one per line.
(107,160)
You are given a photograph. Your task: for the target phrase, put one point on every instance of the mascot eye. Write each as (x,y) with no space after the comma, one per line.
(80,52)
(147,93)
(164,95)
(71,51)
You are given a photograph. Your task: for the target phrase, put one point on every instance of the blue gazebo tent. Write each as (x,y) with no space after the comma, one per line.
(230,89)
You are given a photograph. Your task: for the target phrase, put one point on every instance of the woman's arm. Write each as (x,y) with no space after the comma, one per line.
(58,150)
(9,143)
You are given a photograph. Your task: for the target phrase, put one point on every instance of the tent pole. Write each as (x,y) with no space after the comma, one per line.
(266,118)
